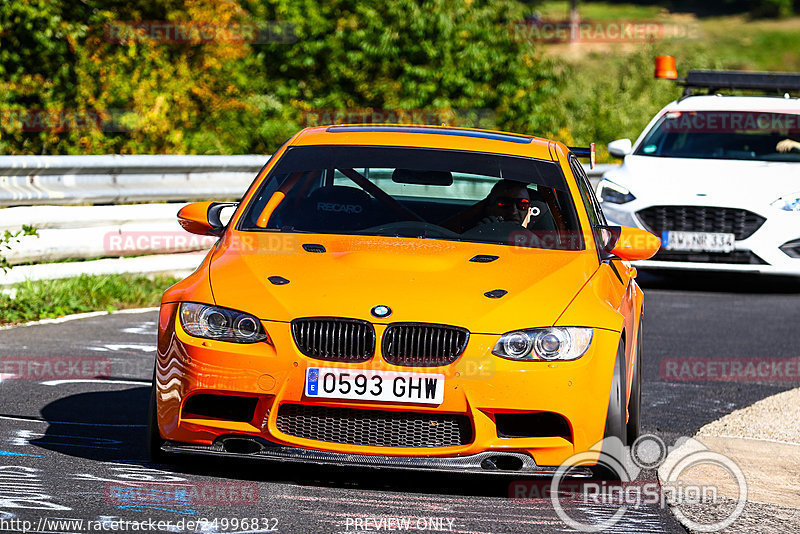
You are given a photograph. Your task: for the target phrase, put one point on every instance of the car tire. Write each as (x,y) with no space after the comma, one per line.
(616,425)
(154,440)
(634,427)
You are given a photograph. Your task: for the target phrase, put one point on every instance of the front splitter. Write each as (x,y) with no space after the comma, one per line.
(482,463)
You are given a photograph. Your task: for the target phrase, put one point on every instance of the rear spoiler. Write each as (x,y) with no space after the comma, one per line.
(584,152)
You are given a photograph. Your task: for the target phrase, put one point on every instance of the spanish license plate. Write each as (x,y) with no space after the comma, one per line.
(697,241)
(386,386)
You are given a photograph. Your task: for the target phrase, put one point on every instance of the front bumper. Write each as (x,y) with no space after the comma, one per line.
(779,228)
(478,385)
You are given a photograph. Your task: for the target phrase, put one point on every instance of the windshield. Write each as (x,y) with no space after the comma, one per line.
(418,193)
(742,135)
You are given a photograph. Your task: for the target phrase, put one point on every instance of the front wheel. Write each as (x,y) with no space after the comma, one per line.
(634,427)
(616,424)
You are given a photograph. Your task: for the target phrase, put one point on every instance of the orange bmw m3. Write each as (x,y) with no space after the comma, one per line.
(405,297)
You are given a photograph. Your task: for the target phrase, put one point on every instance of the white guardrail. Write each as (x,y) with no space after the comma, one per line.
(116,212)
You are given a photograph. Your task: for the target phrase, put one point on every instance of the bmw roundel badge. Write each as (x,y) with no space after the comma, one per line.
(381,311)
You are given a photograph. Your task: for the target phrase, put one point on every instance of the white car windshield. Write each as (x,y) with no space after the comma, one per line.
(740,135)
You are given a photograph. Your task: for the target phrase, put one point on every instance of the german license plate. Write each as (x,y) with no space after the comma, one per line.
(697,241)
(386,386)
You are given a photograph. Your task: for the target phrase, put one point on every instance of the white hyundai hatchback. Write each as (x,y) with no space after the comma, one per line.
(716,177)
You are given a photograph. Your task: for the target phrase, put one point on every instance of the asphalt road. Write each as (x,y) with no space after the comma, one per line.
(75,449)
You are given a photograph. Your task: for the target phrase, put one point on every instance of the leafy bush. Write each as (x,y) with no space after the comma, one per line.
(458,60)
(454,57)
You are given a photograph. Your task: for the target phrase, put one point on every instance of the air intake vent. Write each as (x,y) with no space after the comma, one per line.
(423,345)
(374,428)
(334,339)
(229,407)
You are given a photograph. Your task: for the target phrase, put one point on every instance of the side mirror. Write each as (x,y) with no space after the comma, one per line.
(203,218)
(628,243)
(620,148)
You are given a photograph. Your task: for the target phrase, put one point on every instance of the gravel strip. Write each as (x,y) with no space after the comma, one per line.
(773,418)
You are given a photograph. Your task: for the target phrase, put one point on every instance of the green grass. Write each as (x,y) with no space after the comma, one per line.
(55,298)
(598,11)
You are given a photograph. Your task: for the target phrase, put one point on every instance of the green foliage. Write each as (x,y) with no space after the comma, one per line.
(461,61)
(8,238)
(754,8)
(455,58)
(54,298)
(166,97)
(764,8)
(775,8)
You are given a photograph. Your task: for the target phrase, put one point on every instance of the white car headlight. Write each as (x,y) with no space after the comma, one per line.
(788,203)
(222,324)
(608,191)
(544,344)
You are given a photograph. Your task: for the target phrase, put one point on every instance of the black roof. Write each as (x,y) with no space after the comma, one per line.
(714,80)
(481,134)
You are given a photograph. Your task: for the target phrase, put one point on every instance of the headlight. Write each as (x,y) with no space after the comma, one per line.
(788,203)
(555,343)
(608,191)
(213,322)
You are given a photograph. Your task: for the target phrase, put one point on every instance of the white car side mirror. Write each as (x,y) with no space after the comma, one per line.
(620,148)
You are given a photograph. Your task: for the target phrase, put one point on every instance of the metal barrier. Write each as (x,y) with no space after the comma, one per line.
(115,179)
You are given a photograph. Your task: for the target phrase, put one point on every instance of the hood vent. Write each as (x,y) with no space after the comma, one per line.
(483,258)
(314,247)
